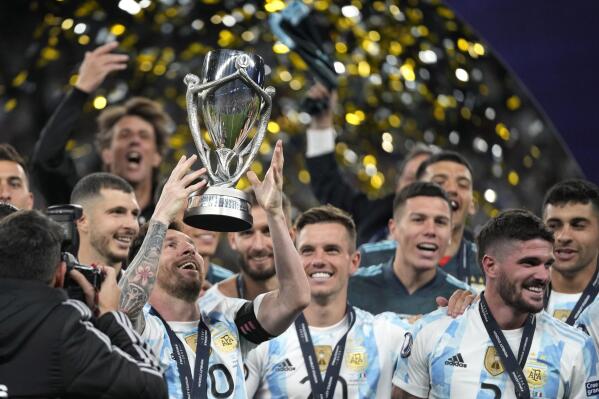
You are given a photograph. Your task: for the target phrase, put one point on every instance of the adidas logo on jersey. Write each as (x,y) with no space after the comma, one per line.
(456,361)
(284,366)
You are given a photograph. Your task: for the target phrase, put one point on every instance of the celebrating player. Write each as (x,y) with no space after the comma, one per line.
(202,350)
(505,347)
(334,350)
(571,211)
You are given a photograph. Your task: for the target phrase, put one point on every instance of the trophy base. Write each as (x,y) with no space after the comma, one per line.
(219,209)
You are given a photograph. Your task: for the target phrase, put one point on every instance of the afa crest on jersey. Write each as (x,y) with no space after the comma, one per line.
(224,339)
(356,358)
(562,314)
(535,372)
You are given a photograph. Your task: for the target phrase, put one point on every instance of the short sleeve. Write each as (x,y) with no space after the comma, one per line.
(412,368)
(584,380)
(391,329)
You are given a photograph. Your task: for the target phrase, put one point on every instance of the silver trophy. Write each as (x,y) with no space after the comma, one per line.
(230,97)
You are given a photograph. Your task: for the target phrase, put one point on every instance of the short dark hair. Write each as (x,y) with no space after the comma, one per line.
(417,150)
(29,246)
(91,185)
(573,190)
(512,224)
(450,156)
(148,110)
(328,214)
(419,189)
(139,239)
(9,153)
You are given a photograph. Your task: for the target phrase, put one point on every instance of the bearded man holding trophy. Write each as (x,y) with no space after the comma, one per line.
(202,349)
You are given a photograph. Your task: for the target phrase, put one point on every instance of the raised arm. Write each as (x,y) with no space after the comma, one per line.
(280,307)
(139,279)
(53,170)
(326,178)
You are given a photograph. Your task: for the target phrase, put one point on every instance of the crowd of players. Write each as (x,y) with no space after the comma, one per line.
(352,299)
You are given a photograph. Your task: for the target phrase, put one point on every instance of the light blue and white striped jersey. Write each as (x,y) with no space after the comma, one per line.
(561,305)
(226,377)
(588,321)
(211,298)
(217,273)
(276,368)
(455,358)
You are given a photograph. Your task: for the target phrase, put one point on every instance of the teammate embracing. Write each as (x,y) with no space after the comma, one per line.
(334,350)
(505,347)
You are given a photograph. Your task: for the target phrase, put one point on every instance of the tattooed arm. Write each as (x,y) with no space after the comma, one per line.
(138,281)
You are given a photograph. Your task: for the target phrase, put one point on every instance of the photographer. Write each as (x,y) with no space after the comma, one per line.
(51,346)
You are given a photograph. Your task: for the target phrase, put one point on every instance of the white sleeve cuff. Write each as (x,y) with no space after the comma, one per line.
(320,142)
(257,303)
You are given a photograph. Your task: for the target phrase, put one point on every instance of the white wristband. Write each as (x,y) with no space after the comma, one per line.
(320,141)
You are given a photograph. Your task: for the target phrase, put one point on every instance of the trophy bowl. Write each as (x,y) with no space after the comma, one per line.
(230,96)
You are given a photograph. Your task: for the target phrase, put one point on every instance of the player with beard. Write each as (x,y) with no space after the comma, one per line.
(109,222)
(256,261)
(206,243)
(131,137)
(454,174)
(571,211)
(505,347)
(330,328)
(203,348)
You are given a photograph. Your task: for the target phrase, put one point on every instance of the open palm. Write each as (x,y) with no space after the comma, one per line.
(269,192)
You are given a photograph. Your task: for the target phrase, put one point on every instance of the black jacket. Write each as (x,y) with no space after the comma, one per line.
(52,169)
(329,187)
(50,347)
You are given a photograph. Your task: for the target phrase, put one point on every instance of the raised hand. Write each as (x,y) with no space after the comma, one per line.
(323,120)
(269,192)
(177,189)
(97,65)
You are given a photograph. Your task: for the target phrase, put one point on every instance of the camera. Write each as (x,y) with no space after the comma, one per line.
(295,28)
(66,216)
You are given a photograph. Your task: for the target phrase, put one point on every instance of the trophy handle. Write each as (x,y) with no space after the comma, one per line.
(265,110)
(193,87)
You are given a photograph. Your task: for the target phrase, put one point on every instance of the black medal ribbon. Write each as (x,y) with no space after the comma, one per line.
(586,298)
(196,387)
(322,389)
(462,260)
(513,366)
(240,287)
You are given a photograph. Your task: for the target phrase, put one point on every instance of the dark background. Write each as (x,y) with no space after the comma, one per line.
(535,53)
(552,47)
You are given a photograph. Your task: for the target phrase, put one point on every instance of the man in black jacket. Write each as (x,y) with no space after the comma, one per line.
(329,186)
(51,346)
(131,137)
